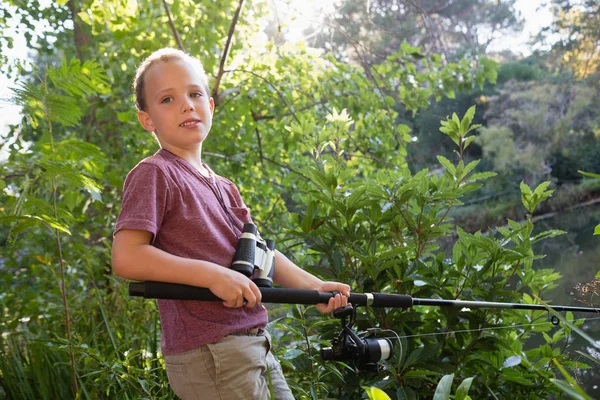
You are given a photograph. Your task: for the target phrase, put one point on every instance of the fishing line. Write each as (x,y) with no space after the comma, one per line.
(492,328)
(400,350)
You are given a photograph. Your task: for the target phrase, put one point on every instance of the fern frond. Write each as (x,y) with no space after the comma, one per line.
(74,80)
(68,173)
(97,76)
(51,222)
(19,224)
(63,109)
(87,155)
(38,104)
(25,222)
(32,99)
(23,195)
(79,80)
(37,206)
(78,150)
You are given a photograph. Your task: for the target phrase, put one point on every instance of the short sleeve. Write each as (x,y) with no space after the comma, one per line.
(145,200)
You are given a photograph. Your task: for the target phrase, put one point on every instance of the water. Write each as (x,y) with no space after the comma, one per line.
(576,256)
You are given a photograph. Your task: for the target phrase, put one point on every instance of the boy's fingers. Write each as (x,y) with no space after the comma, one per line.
(229,303)
(335,302)
(248,297)
(251,303)
(252,296)
(236,302)
(257,294)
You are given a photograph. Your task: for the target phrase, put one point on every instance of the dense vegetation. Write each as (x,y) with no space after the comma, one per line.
(354,150)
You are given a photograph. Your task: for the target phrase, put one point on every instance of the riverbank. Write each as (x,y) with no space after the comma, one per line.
(491,213)
(574,255)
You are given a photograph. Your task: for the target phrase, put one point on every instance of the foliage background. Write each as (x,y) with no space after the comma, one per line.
(336,144)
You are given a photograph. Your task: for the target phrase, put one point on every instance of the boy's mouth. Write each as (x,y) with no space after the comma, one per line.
(190,122)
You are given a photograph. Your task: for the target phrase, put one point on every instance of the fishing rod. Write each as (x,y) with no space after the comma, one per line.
(175,291)
(365,349)
(254,258)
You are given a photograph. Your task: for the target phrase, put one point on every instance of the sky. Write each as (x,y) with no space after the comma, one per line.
(536,16)
(535,19)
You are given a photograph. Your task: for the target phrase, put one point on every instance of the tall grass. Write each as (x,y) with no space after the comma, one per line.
(116,344)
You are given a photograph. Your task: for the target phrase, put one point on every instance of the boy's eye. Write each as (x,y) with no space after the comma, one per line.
(195,95)
(167,100)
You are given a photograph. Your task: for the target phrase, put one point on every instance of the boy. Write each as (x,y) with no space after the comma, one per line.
(180,223)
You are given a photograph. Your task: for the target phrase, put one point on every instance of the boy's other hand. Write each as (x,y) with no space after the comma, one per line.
(337,301)
(234,288)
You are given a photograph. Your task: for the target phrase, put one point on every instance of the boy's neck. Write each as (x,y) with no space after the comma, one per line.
(194,158)
(197,163)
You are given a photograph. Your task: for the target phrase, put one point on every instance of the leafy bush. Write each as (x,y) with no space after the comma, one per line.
(379,234)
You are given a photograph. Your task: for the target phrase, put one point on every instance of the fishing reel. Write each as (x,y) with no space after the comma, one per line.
(364,349)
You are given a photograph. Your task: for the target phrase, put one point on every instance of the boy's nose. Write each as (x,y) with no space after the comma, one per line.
(187,105)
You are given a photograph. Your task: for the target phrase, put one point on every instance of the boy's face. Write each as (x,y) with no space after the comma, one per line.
(178,108)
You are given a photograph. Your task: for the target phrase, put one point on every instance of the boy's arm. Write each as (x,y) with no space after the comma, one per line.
(290,275)
(134,258)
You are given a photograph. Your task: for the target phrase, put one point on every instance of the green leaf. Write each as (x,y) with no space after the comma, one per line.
(548,234)
(419,373)
(526,190)
(468,141)
(569,390)
(442,391)
(291,354)
(375,393)
(526,197)
(541,188)
(547,337)
(597,230)
(517,377)
(589,174)
(466,121)
(470,166)
(480,176)
(456,122)
(405,393)
(463,389)
(447,164)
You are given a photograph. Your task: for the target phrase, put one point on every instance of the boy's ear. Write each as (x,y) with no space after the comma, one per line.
(212,106)
(146,121)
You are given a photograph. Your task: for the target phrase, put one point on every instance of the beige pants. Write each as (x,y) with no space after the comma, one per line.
(234,368)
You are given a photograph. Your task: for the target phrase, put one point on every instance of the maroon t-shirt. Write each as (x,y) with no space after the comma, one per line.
(185,213)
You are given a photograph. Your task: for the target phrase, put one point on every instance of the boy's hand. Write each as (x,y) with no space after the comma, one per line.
(339,300)
(234,288)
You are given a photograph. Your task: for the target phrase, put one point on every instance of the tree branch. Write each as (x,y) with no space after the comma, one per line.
(289,169)
(261,117)
(172,25)
(264,158)
(434,35)
(79,35)
(260,152)
(215,90)
(283,99)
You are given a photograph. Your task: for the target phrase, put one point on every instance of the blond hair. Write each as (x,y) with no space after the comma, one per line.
(163,55)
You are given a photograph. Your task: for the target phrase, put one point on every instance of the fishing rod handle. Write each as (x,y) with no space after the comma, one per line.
(175,291)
